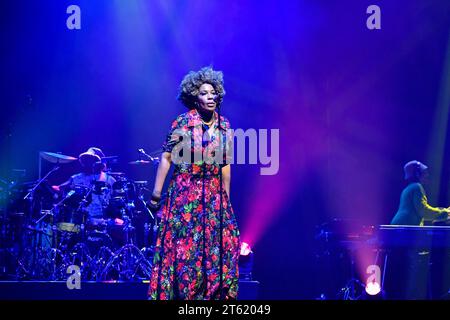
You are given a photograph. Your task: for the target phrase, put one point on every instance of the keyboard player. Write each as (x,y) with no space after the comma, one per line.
(409,275)
(414,208)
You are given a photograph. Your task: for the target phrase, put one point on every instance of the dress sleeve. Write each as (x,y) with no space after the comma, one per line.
(229,146)
(173,137)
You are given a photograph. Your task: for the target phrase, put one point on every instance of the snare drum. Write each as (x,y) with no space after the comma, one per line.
(69,219)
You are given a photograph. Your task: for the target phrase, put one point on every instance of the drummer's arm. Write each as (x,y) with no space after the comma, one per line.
(163,169)
(62,185)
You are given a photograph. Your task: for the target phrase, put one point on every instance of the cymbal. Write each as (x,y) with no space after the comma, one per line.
(116,173)
(56,157)
(140,162)
(140,184)
(110,159)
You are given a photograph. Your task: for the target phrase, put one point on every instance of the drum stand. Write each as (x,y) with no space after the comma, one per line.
(53,258)
(353,286)
(39,262)
(57,258)
(149,249)
(129,262)
(150,228)
(38,257)
(80,254)
(6,248)
(100,261)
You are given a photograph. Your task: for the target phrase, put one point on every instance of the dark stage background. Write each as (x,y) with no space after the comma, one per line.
(352,104)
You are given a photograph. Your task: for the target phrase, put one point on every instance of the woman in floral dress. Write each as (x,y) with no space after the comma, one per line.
(190,261)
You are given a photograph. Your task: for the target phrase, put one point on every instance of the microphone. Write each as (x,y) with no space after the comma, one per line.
(141,151)
(68,195)
(55,168)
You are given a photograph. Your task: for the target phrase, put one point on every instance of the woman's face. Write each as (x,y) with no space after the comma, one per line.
(206,98)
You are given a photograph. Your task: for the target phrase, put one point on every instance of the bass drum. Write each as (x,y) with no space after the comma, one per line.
(95,240)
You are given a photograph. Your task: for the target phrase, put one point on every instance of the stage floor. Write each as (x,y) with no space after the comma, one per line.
(90,290)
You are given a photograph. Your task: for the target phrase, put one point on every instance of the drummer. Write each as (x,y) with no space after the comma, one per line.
(95,180)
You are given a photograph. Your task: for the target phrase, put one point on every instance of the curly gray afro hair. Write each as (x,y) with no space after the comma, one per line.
(189,87)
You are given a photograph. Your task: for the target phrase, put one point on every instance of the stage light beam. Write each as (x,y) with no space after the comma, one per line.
(245,249)
(373,288)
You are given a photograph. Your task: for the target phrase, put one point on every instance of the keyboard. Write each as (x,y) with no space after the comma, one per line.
(413,236)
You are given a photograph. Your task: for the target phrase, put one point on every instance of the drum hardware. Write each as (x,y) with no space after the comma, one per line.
(148,250)
(61,234)
(66,217)
(50,240)
(29,195)
(96,240)
(145,206)
(84,201)
(99,262)
(81,256)
(338,243)
(110,160)
(40,261)
(148,159)
(55,158)
(117,175)
(128,263)
(141,185)
(34,201)
(44,214)
(142,153)
(140,162)
(99,188)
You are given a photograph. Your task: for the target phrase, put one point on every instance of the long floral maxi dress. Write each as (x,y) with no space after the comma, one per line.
(188,254)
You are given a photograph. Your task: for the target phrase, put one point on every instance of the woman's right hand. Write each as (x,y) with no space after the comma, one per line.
(154,205)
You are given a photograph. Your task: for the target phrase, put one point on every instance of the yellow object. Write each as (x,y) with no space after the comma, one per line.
(69,227)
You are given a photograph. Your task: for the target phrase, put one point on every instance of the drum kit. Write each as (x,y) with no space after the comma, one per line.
(43,232)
